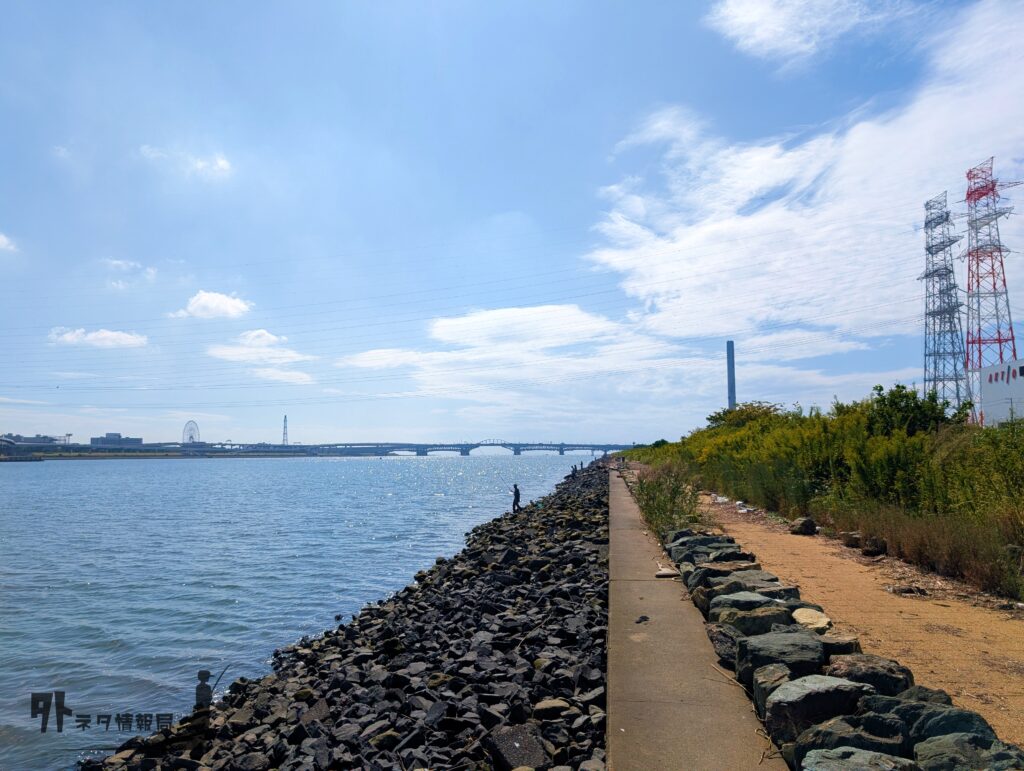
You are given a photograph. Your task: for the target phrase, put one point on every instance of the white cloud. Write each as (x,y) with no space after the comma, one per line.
(798,247)
(258,346)
(123,266)
(537,327)
(260,337)
(61,152)
(211,167)
(796,29)
(514,358)
(213,305)
(291,376)
(750,239)
(6,244)
(101,338)
(130,274)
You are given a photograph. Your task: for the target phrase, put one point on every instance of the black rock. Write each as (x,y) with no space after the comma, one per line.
(803,526)
(797,705)
(966,752)
(803,654)
(514,746)
(887,676)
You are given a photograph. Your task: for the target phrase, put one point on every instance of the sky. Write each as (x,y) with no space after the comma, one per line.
(459,221)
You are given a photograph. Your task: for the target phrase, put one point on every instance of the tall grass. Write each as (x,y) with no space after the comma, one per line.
(943,494)
(667,497)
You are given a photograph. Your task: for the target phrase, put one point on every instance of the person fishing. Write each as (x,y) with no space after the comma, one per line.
(204,693)
(515,499)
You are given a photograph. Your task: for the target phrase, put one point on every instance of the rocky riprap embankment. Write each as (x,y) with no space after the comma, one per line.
(494,659)
(825,704)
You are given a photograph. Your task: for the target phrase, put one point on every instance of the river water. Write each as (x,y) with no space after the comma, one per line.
(120,579)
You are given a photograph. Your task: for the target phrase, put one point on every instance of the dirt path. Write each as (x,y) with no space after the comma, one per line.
(974,653)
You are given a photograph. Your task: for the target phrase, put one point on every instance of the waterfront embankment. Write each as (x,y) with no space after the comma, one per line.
(495,658)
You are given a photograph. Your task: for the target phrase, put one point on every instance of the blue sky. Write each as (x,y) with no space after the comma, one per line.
(399,221)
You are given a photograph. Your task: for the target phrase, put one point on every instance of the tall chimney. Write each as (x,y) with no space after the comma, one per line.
(730,356)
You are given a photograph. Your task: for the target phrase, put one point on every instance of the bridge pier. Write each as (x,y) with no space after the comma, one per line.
(561,451)
(421,453)
(464,451)
(517,450)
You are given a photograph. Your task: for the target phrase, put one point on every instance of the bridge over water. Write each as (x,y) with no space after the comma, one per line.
(414,448)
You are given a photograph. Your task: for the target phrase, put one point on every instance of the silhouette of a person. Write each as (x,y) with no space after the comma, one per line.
(515,499)
(204,693)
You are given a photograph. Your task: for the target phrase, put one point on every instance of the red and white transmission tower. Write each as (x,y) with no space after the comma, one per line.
(990,338)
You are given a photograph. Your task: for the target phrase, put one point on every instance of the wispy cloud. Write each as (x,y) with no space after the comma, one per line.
(258,346)
(121,265)
(213,305)
(6,244)
(294,377)
(100,338)
(11,400)
(791,30)
(212,167)
(799,247)
(752,238)
(130,274)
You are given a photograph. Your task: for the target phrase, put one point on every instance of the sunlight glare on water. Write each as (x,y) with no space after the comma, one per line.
(120,579)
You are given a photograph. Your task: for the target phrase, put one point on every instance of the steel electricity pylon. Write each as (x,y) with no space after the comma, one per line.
(990,338)
(944,355)
(284,432)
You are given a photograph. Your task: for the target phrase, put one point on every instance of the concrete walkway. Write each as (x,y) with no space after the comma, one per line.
(668,706)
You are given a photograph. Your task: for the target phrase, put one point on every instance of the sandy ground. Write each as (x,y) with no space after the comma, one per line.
(952,638)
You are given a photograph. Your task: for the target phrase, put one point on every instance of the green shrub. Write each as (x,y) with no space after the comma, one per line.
(944,495)
(667,497)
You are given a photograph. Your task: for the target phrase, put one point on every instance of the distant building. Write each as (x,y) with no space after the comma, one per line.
(37,439)
(115,440)
(1002,392)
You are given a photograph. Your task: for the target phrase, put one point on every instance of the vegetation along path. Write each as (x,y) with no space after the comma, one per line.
(974,653)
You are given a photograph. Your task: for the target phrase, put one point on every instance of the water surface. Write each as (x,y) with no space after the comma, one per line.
(120,579)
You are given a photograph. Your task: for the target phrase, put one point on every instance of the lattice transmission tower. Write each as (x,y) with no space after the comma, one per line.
(944,355)
(284,433)
(990,338)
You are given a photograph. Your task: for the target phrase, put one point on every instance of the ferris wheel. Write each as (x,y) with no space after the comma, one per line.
(190,434)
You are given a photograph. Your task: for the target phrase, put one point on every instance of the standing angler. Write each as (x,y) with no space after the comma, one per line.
(515,499)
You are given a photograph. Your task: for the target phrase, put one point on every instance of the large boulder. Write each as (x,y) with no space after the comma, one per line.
(852,759)
(730,554)
(921,693)
(766,680)
(889,677)
(966,752)
(795,706)
(925,719)
(751,622)
(839,644)
(755,576)
(813,620)
(803,526)
(740,601)
(697,548)
(878,733)
(803,654)
(700,576)
(671,537)
(690,538)
(723,640)
(702,597)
